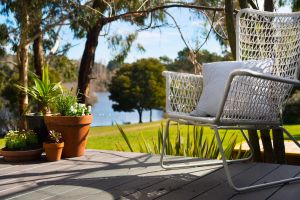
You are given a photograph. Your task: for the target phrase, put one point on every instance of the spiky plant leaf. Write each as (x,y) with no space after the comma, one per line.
(125,137)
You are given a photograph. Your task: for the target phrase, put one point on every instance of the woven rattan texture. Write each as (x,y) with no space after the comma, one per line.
(254,99)
(277,37)
(264,36)
(183,92)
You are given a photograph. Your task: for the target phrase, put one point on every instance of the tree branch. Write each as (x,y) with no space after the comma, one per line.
(52,25)
(211,28)
(211,23)
(153,9)
(192,53)
(179,30)
(10,62)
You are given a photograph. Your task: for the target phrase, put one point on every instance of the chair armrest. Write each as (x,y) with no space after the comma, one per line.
(250,95)
(247,72)
(182,92)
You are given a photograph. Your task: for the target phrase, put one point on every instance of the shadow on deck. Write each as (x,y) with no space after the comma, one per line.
(121,175)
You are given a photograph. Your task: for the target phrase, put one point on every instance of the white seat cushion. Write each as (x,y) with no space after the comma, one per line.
(215,78)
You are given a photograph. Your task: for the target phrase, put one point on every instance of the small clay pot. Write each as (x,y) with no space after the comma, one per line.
(20,156)
(53,150)
(74,131)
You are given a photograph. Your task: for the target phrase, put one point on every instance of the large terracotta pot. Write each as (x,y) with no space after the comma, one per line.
(53,150)
(74,131)
(20,156)
(37,124)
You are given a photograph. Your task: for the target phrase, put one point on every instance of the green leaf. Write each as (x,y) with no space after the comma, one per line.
(125,137)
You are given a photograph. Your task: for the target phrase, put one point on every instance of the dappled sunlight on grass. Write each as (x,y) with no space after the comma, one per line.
(107,137)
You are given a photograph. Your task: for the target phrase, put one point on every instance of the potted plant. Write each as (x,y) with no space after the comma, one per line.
(54,146)
(21,146)
(73,122)
(44,93)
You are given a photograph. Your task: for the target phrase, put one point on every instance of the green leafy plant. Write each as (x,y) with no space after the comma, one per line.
(21,140)
(43,91)
(66,104)
(195,145)
(79,109)
(54,137)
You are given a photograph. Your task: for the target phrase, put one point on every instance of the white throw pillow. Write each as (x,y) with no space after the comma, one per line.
(215,77)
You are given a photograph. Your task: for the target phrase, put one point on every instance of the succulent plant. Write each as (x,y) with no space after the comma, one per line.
(54,137)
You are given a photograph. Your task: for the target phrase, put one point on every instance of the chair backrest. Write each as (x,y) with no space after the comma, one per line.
(267,35)
(263,35)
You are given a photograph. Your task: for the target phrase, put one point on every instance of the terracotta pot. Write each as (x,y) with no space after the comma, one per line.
(37,124)
(53,150)
(74,131)
(19,156)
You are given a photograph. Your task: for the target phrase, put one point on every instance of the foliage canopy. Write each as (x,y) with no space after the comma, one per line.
(138,86)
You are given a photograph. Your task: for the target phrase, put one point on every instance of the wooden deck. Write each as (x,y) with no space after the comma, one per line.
(119,175)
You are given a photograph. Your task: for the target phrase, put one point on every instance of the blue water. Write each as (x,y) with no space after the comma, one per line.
(104,115)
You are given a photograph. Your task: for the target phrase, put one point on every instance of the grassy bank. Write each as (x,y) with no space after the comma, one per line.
(105,137)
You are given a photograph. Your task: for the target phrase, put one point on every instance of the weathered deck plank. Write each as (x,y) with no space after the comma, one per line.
(206,183)
(287,192)
(283,171)
(121,175)
(245,178)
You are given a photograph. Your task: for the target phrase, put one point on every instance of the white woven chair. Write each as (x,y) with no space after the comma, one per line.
(260,35)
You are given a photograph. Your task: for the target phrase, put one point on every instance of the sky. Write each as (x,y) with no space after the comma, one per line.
(158,42)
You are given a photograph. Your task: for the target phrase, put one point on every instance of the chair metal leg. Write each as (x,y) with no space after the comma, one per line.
(249,144)
(195,163)
(164,143)
(258,186)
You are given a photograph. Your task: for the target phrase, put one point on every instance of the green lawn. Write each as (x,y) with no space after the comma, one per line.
(106,137)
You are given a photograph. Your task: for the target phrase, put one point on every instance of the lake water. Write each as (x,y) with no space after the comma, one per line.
(104,115)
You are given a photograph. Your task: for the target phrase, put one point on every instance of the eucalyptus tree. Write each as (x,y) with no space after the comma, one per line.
(94,20)
(20,10)
(23,17)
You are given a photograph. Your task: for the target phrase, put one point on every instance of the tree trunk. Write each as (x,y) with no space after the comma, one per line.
(38,55)
(140,112)
(229,20)
(254,141)
(23,78)
(268,150)
(150,115)
(278,144)
(22,59)
(87,61)
(243,4)
(269,5)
